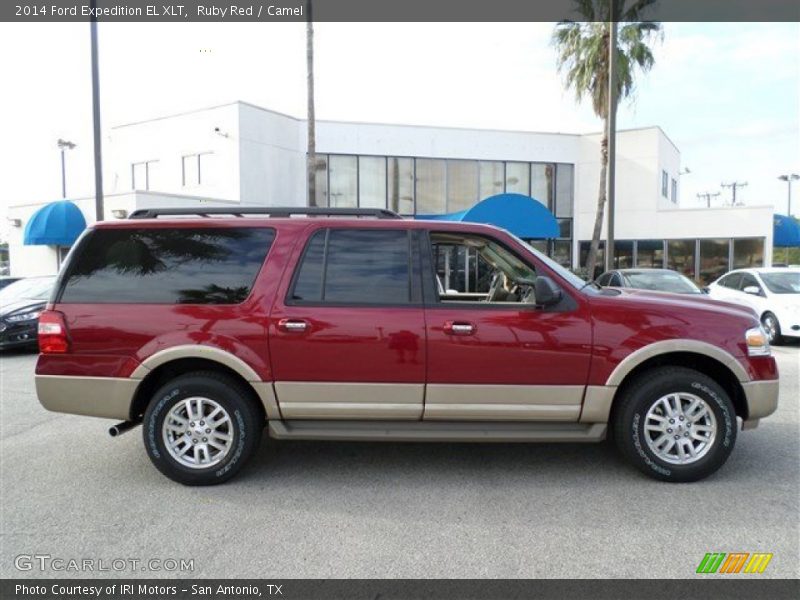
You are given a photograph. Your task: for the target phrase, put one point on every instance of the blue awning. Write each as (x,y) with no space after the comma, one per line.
(55,224)
(522,215)
(786,232)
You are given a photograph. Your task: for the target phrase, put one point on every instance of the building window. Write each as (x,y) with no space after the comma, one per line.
(143,174)
(664,184)
(462,184)
(492,179)
(372,181)
(343,181)
(623,254)
(518,177)
(564,187)
(599,262)
(650,254)
(748,253)
(680,256)
(195,169)
(674,196)
(401,185)
(562,252)
(543,183)
(321,180)
(431,186)
(714,259)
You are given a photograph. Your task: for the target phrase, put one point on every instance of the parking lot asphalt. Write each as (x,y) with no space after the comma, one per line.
(340,510)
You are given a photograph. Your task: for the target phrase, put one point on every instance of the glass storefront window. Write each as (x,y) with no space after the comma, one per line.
(492,175)
(623,254)
(543,183)
(650,254)
(601,258)
(562,252)
(713,259)
(565,229)
(748,252)
(680,256)
(372,181)
(321,177)
(343,181)
(431,186)
(518,178)
(401,185)
(462,184)
(564,190)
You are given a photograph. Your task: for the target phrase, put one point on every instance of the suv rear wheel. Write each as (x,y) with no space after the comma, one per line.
(675,424)
(201,428)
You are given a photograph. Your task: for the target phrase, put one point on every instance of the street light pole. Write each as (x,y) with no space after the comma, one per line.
(789,178)
(98,151)
(64,145)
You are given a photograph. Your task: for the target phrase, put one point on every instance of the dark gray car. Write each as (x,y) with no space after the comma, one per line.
(659,280)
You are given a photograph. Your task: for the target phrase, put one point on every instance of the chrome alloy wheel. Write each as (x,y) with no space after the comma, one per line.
(770,324)
(680,428)
(198,433)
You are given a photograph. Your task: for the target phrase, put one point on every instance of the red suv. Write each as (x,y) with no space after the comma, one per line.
(360,325)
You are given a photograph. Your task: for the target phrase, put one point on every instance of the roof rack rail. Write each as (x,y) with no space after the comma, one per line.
(267,211)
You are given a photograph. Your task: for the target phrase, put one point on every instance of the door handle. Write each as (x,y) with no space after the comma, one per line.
(293,325)
(459,328)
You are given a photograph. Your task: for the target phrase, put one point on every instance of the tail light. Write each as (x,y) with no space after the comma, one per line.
(53,337)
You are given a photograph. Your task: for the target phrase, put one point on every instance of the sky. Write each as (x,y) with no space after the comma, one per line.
(727,94)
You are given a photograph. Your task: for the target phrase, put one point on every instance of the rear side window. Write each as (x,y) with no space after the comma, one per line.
(349,266)
(166,266)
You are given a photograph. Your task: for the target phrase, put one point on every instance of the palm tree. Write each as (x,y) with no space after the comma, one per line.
(582,49)
(311,154)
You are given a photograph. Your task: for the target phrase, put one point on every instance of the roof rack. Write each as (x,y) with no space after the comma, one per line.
(267,211)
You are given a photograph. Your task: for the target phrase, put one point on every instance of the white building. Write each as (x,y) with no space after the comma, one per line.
(243,154)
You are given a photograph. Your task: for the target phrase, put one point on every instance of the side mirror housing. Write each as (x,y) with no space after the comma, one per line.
(547,292)
(752,290)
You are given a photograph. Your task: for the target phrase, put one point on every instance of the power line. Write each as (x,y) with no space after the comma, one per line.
(734,185)
(708,196)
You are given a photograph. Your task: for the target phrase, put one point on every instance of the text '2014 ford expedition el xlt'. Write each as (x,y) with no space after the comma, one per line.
(361,325)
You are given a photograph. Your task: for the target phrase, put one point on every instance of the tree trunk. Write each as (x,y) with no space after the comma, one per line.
(311,154)
(591,260)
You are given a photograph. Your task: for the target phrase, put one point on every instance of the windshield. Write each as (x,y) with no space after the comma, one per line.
(662,281)
(571,278)
(782,283)
(34,288)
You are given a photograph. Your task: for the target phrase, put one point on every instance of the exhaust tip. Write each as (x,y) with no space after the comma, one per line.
(120,428)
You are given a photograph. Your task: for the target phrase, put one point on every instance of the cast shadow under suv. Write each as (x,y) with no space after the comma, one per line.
(357,324)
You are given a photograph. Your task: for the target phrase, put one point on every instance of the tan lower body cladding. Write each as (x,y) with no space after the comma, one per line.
(450,402)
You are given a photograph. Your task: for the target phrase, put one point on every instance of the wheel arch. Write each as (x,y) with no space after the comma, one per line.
(712,365)
(174,362)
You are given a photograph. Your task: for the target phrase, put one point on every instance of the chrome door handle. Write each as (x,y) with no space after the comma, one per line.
(293,325)
(459,328)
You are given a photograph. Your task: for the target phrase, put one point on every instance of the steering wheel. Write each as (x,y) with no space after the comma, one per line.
(495,287)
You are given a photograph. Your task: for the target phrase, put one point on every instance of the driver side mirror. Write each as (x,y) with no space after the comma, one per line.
(753,290)
(547,292)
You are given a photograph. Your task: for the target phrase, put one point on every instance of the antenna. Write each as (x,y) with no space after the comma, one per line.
(734,185)
(708,196)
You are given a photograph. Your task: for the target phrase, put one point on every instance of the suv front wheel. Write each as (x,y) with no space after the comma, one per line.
(675,424)
(201,428)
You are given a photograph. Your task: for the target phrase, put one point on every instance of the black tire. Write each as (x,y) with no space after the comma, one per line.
(774,335)
(247,424)
(628,422)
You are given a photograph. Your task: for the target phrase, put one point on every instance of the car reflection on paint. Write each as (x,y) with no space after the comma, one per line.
(20,305)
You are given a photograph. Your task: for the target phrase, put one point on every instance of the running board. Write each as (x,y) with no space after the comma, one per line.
(437,431)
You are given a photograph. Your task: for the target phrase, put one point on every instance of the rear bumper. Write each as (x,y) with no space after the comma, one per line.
(761,397)
(107,397)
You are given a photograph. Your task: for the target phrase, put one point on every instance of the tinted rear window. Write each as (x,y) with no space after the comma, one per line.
(166,266)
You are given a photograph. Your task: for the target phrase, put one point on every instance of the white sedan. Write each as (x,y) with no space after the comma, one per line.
(773,293)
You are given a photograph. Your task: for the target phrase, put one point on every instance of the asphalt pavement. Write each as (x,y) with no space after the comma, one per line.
(341,510)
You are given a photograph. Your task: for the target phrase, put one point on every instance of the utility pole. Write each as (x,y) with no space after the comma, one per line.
(734,185)
(64,145)
(708,196)
(612,132)
(789,178)
(98,150)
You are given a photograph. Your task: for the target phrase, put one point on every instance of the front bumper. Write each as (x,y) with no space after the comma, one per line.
(761,398)
(18,335)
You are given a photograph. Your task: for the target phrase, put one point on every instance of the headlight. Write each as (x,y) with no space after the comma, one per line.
(757,342)
(28,316)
